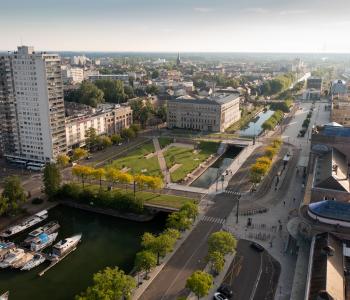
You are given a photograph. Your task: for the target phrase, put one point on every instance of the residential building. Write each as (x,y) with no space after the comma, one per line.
(215,113)
(32,113)
(122,77)
(72,75)
(340,109)
(311,95)
(106,119)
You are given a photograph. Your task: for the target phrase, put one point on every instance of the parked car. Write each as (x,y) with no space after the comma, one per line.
(219,296)
(257,247)
(226,290)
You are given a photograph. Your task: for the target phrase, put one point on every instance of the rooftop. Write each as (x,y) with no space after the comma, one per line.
(331,209)
(218,99)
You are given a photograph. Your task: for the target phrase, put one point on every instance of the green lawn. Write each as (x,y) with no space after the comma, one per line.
(188,160)
(150,198)
(137,161)
(165,141)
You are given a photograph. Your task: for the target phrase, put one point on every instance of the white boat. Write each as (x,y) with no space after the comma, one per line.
(5,296)
(12,257)
(37,260)
(20,263)
(48,228)
(42,241)
(5,248)
(64,246)
(27,223)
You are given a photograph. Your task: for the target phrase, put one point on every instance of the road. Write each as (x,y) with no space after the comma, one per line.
(170,282)
(252,275)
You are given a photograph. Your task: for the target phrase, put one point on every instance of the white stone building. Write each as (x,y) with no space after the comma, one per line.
(215,113)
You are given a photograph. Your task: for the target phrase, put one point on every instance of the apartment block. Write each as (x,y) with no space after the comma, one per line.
(32,107)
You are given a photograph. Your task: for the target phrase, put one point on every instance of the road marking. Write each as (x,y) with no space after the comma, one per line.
(257,280)
(213,219)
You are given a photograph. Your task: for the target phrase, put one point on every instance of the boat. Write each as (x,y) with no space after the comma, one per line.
(5,296)
(42,241)
(37,260)
(48,228)
(64,246)
(27,223)
(12,257)
(20,263)
(5,248)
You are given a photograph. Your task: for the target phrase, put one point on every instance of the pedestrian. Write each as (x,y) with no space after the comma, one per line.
(294,200)
(284,203)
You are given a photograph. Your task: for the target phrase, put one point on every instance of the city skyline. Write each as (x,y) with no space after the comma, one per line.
(186,26)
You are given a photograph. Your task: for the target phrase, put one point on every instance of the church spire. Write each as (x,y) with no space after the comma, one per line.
(178,60)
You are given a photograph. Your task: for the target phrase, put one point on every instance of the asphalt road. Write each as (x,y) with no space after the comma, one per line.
(252,275)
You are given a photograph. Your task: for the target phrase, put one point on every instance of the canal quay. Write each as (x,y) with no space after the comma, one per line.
(106,241)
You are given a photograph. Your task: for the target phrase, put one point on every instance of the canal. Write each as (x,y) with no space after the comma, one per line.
(106,241)
(210,175)
(254,127)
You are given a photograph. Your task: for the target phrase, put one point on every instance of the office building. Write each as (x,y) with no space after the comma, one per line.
(32,113)
(214,113)
(72,75)
(314,83)
(122,77)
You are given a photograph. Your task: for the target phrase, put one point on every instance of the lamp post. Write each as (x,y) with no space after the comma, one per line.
(237,212)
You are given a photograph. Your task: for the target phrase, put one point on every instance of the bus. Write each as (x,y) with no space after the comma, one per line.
(35,166)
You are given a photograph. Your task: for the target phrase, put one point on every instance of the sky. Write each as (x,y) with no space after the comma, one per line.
(177,25)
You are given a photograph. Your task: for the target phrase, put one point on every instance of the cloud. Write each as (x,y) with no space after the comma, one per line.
(256,10)
(293,12)
(203,9)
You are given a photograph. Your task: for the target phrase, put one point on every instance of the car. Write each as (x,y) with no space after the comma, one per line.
(257,247)
(219,296)
(226,290)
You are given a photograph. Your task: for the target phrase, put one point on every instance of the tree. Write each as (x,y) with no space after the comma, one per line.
(79,153)
(82,172)
(129,91)
(52,179)
(145,261)
(113,90)
(125,178)
(152,89)
(155,74)
(90,94)
(161,113)
(217,261)
(4,205)
(160,245)
(13,192)
(104,141)
(136,128)
(199,283)
(109,284)
(62,160)
(116,139)
(112,175)
(173,233)
(191,209)
(179,220)
(98,174)
(91,138)
(222,242)
(144,116)
(127,133)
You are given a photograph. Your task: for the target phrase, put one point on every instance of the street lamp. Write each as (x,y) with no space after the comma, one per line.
(237,212)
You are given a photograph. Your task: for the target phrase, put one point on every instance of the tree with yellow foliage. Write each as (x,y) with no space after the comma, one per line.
(83,172)
(98,174)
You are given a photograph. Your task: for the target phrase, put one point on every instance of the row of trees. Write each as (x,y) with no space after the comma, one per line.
(157,246)
(283,106)
(220,244)
(113,176)
(144,112)
(275,119)
(12,196)
(278,84)
(263,164)
(101,91)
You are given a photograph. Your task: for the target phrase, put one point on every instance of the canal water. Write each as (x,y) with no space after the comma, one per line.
(210,175)
(254,127)
(106,241)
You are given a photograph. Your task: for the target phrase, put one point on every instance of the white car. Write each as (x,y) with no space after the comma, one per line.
(219,296)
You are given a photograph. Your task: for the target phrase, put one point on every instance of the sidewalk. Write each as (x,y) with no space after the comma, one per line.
(161,160)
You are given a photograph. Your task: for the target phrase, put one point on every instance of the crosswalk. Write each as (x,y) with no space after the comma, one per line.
(232,192)
(213,219)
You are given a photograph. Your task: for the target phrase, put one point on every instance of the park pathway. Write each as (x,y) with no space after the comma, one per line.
(161,160)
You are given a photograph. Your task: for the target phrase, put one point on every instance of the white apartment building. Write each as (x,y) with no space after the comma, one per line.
(108,119)
(214,113)
(32,107)
(72,75)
